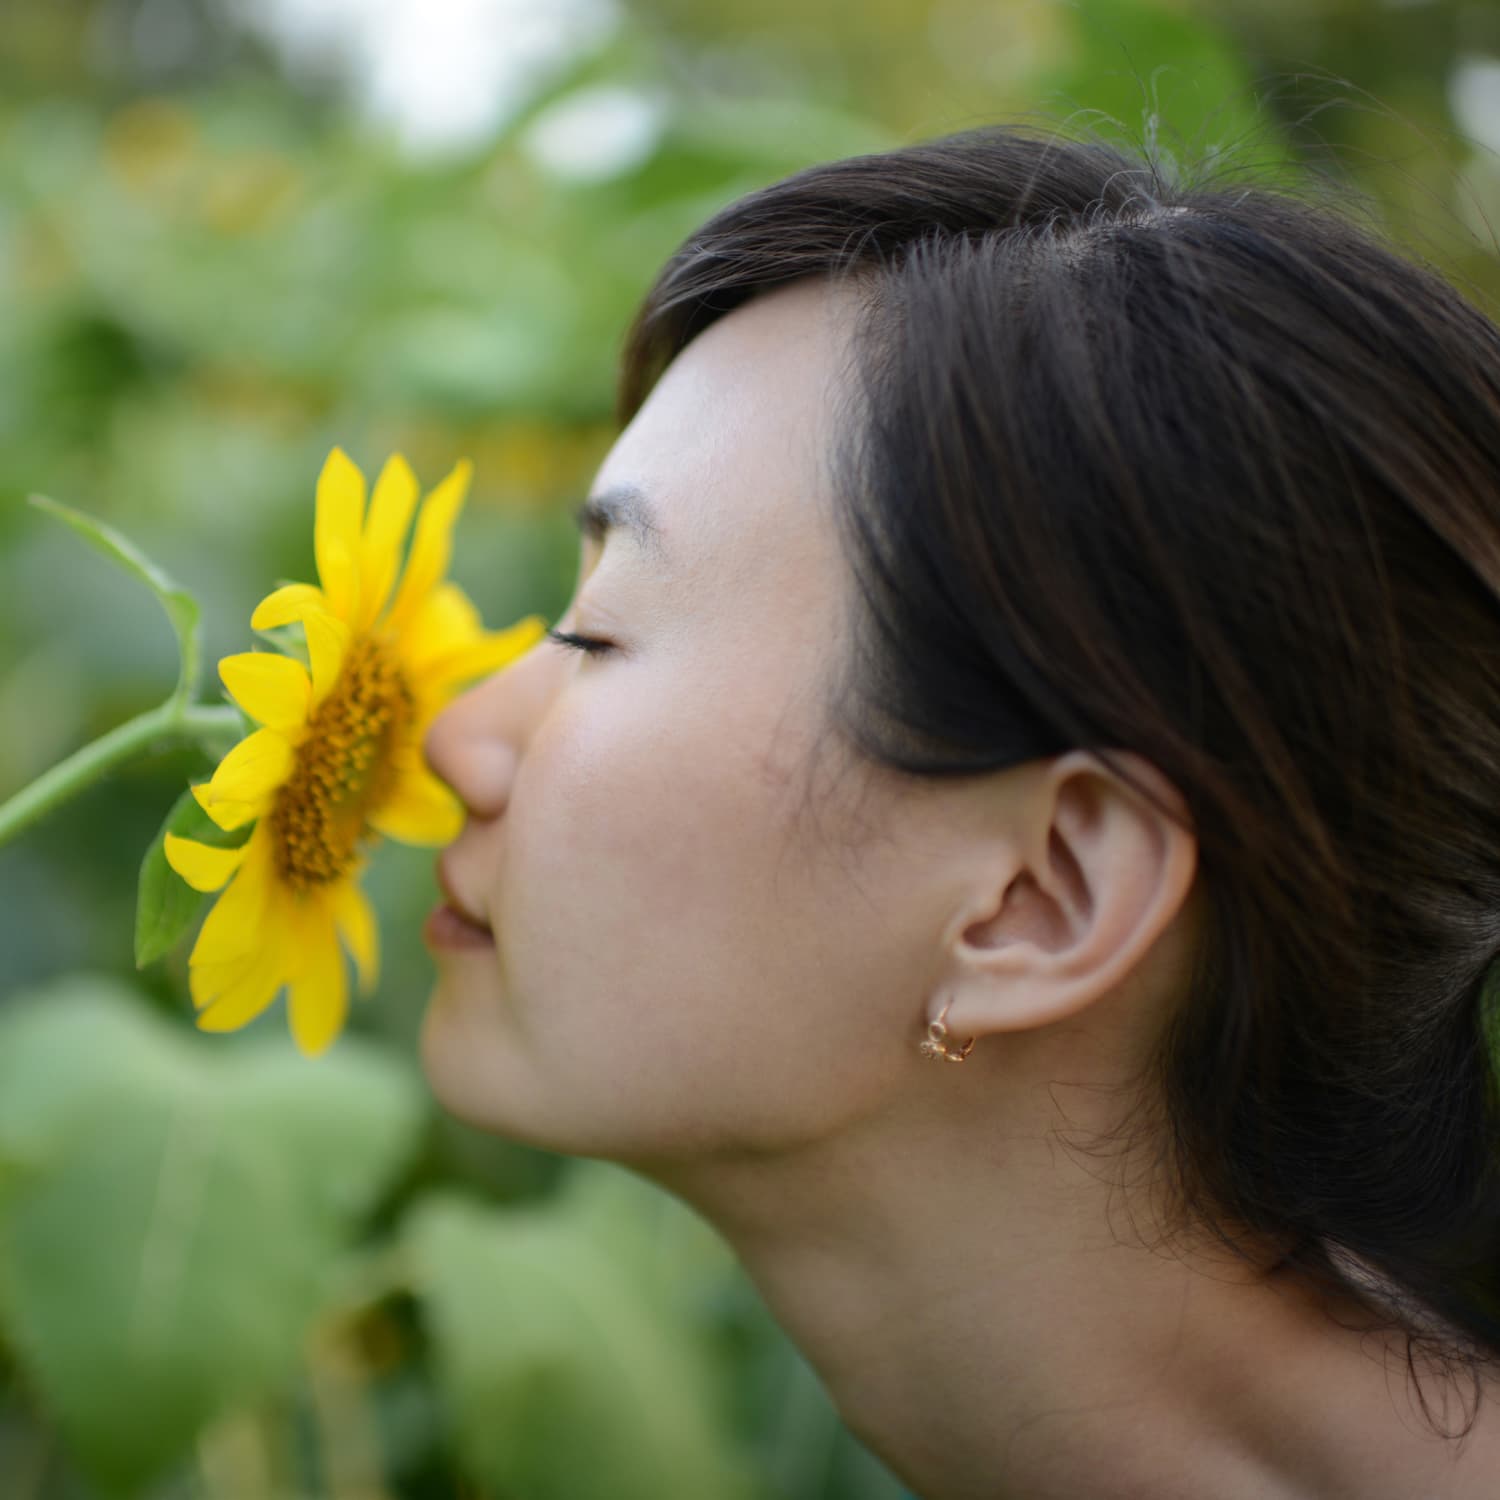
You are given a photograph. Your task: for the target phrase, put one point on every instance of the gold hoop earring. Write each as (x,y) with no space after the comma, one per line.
(936,1043)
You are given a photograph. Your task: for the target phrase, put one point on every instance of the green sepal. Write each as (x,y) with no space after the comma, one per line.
(165,903)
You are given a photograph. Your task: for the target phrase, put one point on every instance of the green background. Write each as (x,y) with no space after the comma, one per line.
(227,1272)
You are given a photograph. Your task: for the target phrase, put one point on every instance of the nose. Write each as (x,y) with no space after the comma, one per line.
(476,743)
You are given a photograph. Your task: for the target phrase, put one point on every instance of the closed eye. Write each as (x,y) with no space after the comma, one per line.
(585,643)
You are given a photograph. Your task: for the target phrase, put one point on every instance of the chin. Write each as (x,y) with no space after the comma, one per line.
(479,1079)
(453,1062)
(483,1078)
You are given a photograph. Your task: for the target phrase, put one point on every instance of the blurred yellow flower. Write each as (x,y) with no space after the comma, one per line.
(338,760)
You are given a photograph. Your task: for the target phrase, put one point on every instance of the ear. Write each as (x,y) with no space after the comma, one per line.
(1100,873)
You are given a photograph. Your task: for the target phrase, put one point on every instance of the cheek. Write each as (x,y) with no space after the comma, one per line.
(675,948)
(628,855)
(650,909)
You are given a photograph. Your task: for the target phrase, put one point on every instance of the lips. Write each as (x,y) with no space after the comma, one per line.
(454,899)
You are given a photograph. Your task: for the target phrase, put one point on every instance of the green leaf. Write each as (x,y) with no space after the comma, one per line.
(566,1380)
(65,1050)
(165,904)
(174,1212)
(669,1251)
(181,606)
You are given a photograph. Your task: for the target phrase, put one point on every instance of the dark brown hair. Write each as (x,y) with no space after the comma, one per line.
(1210,474)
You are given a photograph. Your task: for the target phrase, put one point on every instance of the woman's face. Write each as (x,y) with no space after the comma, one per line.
(687,958)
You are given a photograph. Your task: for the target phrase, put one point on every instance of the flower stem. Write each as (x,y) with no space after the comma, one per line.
(170,723)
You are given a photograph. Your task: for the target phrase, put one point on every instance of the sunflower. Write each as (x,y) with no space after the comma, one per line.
(337,762)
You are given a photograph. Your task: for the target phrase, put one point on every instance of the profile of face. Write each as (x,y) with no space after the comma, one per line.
(682,963)
(714,934)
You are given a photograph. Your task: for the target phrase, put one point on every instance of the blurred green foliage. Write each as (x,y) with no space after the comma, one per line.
(225,1272)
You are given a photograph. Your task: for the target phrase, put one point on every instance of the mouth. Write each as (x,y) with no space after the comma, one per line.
(446,928)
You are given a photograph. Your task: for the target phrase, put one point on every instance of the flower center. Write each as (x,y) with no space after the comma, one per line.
(343,769)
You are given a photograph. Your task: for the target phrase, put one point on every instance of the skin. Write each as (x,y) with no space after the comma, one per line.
(718,946)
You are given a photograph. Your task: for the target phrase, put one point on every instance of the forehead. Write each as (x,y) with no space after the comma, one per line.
(730,448)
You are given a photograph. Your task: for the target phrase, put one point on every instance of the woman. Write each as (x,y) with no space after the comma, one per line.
(1044,620)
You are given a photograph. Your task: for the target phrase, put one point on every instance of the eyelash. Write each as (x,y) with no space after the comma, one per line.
(584,643)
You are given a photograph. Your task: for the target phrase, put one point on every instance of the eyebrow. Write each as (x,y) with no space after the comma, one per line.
(622,508)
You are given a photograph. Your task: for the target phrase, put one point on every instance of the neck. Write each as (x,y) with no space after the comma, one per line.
(984,1330)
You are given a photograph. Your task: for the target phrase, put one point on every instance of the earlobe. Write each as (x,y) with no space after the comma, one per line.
(1103,872)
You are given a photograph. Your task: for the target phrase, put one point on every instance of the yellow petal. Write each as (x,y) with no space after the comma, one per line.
(210,980)
(201,865)
(245,997)
(327,642)
(432,544)
(445,621)
(356,923)
(288,603)
(337,524)
(234,926)
(229,815)
(420,810)
(391,506)
(273,689)
(489,653)
(319,999)
(257,765)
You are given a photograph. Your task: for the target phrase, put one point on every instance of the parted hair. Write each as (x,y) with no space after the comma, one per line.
(1209,472)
